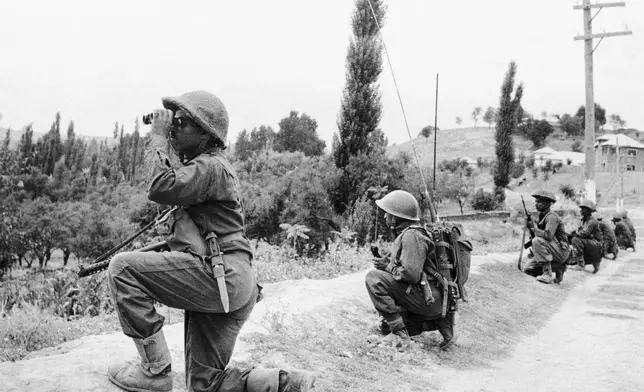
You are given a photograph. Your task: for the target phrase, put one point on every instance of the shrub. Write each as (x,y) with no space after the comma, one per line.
(360,220)
(535,172)
(517,170)
(28,328)
(568,191)
(577,146)
(484,201)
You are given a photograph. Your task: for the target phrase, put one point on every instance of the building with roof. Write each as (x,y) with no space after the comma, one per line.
(631,153)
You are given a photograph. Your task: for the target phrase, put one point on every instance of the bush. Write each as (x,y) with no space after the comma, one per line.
(577,146)
(517,170)
(484,201)
(360,219)
(568,191)
(535,172)
(28,328)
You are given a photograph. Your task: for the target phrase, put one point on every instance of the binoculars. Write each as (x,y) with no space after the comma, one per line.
(147,118)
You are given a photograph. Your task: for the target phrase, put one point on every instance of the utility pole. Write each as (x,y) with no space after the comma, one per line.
(620,199)
(590,97)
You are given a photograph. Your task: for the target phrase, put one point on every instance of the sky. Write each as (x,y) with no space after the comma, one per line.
(101,62)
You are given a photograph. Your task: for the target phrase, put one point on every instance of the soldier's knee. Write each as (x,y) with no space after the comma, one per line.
(118,263)
(373,278)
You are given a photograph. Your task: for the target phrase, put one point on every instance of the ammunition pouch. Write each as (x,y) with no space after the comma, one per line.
(185,235)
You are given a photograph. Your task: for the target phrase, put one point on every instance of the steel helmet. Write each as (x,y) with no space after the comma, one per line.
(617,216)
(206,110)
(624,214)
(544,194)
(401,204)
(587,204)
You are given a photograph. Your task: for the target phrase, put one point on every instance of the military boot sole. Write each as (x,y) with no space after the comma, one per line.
(164,382)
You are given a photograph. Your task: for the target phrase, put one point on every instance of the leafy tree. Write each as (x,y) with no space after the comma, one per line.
(577,146)
(426,132)
(570,125)
(506,123)
(489,115)
(242,145)
(458,120)
(537,131)
(476,113)
(600,116)
(298,133)
(483,201)
(616,122)
(361,109)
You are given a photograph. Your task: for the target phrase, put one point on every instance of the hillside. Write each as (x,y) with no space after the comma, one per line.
(470,142)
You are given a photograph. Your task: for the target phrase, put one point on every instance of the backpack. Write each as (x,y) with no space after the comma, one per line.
(451,258)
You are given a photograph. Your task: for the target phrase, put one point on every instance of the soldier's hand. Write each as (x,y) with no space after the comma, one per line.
(161,122)
(529,224)
(380,263)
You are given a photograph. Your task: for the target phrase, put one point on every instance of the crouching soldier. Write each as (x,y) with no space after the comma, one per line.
(550,246)
(628,222)
(208,270)
(623,233)
(395,284)
(610,242)
(587,240)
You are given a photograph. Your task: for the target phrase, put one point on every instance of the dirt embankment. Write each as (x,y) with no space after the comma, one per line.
(516,335)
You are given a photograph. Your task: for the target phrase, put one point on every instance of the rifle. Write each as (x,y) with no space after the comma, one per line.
(102,265)
(526,245)
(102,262)
(528,218)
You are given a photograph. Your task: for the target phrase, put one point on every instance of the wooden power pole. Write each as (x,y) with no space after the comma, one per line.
(590,98)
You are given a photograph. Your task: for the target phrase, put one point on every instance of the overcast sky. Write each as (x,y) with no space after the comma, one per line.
(102,62)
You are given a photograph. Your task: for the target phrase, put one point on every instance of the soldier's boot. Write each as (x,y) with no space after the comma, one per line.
(399,336)
(152,374)
(383,327)
(559,274)
(615,252)
(595,268)
(447,328)
(581,263)
(276,380)
(546,276)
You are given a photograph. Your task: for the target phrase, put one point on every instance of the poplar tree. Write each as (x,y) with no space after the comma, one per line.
(507,120)
(361,109)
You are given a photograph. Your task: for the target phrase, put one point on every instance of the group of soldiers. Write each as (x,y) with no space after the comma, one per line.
(553,249)
(207,266)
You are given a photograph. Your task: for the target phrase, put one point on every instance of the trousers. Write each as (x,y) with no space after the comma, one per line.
(185,281)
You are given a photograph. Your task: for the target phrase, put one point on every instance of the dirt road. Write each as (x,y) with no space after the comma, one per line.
(594,343)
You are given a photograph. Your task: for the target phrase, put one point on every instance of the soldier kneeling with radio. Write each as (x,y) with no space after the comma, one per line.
(406,287)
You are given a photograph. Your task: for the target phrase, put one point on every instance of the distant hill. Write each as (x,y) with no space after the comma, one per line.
(16,134)
(472,143)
